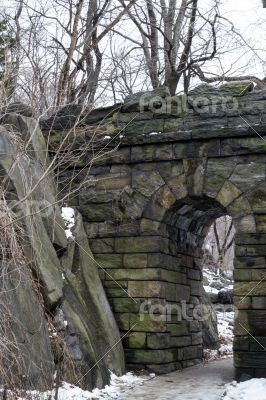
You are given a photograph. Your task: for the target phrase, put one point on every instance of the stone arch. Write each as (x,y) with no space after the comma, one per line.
(209,157)
(172,227)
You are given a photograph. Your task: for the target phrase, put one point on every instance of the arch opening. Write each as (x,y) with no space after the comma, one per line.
(218,281)
(193,327)
(175,312)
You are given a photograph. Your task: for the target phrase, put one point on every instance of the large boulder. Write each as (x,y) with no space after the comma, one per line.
(226,296)
(90,330)
(26,359)
(32,187)
(60,277)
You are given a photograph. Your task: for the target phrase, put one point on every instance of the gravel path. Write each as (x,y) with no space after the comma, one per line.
(201,382)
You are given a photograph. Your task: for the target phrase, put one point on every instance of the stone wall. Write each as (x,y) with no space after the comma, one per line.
(150,176)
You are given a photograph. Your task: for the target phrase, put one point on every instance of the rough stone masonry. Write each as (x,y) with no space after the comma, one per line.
(149,177)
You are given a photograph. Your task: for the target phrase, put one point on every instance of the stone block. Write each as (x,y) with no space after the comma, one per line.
(250,359)
(140,128)
(192,352)
(242,303)
(261,223)
(146,289)
(250,250)
(258,343)
(222,167)
(259,302)
(194,274)
(139,244)
(260,373)
(180,341)
(150,227)
(146,182)
(151,356)
(248,175)
(178,329)
(109,260)
(250,262)
(250,289)
(239,207)
(258,275)
(194,326)
(158,152)
(135,340)
(240,146)
(135,260)
(242,275)
(122,321)
(250,238)
(257,198)
(113,284)
(125,305)
(165,197)
(100,246)
(195,287)
(113,292)
(212,185)
(116,181)
(150,274)
(147,323)
(158,340)
(246,224)
(92,196)
(252,322)
(228,193)
(119,156)
(97,212)
(196,149)
(241,343)
(197,338)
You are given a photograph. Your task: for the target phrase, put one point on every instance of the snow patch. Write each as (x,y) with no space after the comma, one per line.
(68,391)
(249,390)
(68,214)
(155,133)
(209,289)
(225,325)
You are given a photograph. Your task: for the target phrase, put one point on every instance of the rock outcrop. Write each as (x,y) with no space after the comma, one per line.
(51,277)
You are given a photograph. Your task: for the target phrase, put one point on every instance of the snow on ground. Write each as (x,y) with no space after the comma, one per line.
(225,324)
(209,289)
(248,390)
(71,392)
(68,215)
(210,277)
(225,321)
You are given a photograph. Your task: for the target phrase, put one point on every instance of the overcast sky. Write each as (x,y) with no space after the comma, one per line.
(249,17)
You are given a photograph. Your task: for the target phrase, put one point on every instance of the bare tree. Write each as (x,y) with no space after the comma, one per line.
(180,38)
(220,241)
(63,45)
(172,38)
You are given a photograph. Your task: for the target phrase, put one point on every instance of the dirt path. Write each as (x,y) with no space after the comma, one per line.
(202,382)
